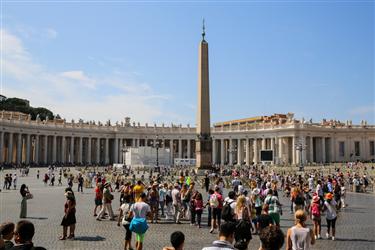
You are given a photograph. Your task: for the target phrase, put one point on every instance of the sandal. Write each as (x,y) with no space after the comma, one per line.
(62,238)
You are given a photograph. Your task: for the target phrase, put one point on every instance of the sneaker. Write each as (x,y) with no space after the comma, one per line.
(333,237)
(319,237)
(327,235)
(316,237)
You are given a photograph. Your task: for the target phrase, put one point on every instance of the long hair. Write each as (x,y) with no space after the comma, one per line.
(241,202)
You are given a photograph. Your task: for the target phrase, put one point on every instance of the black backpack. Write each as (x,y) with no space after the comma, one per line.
(226,213)
(298,200)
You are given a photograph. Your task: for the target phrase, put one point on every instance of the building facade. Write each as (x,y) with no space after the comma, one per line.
(23,140)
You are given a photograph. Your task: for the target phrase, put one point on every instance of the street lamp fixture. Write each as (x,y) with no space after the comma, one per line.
(300,146)
(157,146)
(233,152)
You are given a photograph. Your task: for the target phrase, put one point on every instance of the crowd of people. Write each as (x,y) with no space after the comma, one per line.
(238,203)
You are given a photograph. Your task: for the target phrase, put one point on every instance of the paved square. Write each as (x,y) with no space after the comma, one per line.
(355,225)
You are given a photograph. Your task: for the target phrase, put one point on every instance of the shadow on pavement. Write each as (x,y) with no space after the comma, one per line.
(37,218)
(359,240)
(89,238)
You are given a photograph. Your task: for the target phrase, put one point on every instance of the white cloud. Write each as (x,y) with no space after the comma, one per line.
(79,75)
(363,110)
(51,33)
(75,94)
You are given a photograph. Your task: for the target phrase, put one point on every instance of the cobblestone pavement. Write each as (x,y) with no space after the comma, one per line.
(355,225)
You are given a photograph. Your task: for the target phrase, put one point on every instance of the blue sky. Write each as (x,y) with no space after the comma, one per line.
(107,60)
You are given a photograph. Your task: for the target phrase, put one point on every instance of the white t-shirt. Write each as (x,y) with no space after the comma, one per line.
(140,209)
(126,207)
(331,209)
(176,196)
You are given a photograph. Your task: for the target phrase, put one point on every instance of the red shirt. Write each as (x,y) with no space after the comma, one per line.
(220,199)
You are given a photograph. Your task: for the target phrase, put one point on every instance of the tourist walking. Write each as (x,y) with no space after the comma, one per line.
(69,219)
(176,201)
(25,194)
(125,219)
(273,207)
(98,198)
(216,204)
(80,182)
(331,215)
(15,181)
(243,225)
(107,203)
(315,215)
(299,237)
(139,211)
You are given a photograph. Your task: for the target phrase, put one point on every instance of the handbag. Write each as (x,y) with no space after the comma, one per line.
(138,225)
(29,196)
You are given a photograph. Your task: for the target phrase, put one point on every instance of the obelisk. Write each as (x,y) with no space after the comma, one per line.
(203,145)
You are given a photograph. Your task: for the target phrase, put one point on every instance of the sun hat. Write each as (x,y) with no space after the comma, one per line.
(315,198)
(255,191)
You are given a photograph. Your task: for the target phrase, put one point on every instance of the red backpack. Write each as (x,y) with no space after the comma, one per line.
(315,210)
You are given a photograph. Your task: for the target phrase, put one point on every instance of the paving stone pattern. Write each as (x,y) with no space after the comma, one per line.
(355,225)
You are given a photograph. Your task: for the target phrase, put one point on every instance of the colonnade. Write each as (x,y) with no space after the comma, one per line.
(90,149)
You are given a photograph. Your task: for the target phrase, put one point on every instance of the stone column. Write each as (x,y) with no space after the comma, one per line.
(2,147)
(36,149)
(263,143)
(45,149)
(106,150)
(273,149)
(332,157)
(311,148)
(303,140)
(281,151)
(19,148)
(239,152)
(28,148)
(189,148)
(179,148)
(115,155)
(72,149)
(63,149)
(54,149)
(89,142)
(231,152)
(247,143)
(294,160)
(98,150)
(171,149)
(10,148)
(121,148)
(222,152)
(80,145)
(256,153)
(213,151)
(323,150)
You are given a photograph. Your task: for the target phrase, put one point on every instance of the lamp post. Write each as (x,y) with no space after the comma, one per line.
(300,146)
(233,151)
(157,146)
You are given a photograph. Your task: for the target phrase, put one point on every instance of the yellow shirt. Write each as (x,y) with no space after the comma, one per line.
(138,190)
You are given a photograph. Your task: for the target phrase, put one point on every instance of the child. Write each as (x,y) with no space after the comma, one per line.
(198,204)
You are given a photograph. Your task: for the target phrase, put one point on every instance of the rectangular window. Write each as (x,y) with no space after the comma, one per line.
(372,148)
(357,148)
(342,148)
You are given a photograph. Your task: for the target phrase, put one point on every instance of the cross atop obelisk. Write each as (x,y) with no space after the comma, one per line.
(204,140)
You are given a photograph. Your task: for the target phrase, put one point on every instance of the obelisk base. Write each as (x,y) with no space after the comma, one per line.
(203,154)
